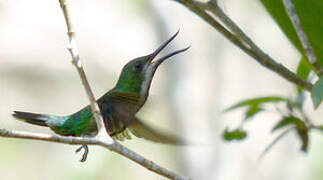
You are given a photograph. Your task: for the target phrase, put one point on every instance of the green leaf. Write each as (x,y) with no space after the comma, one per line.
(303,70)
(317,93)
(252,111)
(237,134)
(255,101)
(310,15)
(300,127)
(302,132)
(290,120)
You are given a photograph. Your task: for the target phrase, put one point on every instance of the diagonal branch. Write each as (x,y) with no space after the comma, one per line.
(291,11)
(97,140)
(78,65)
(102,138)
(241,40)
(262,57)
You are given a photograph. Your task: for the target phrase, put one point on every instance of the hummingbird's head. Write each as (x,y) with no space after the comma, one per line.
(137,74)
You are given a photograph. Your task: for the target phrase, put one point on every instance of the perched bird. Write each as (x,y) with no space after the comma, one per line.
(118,106)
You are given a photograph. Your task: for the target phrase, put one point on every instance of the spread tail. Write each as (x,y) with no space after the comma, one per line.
(32,118)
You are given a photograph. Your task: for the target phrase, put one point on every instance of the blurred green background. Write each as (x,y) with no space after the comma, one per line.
(187,96)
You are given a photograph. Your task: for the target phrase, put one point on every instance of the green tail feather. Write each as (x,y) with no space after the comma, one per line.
(32,118)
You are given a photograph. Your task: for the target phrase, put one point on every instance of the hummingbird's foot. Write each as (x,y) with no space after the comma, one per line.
(86,152)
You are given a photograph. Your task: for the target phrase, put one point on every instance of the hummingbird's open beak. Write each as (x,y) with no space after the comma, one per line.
(153,65)
(157,62)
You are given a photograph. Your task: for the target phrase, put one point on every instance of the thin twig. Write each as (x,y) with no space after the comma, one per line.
(97,140)
(78,65)
(306,119)
(102,138)
(213,7)
(242,41)
(269,147)
(291,11)
(263,58)
(317,127)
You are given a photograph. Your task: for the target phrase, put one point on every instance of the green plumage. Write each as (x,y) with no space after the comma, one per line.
(118,106)
(78,124)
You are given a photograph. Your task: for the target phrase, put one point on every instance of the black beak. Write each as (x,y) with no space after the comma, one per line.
(157,51)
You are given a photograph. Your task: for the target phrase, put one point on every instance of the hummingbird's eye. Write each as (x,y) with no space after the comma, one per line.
(137,66)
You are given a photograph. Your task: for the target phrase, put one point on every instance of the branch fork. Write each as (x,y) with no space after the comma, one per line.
(235,35)
(102,138)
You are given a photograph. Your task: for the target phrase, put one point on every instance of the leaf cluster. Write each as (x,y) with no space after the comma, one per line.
(293,116)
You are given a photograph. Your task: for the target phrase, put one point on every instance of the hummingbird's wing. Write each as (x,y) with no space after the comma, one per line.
(114,107)
(118,96)
(116,128)
(141,130)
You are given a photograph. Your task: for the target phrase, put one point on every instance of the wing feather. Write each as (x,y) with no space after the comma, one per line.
(141,130)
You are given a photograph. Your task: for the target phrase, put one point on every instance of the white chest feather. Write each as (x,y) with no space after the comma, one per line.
(146,83)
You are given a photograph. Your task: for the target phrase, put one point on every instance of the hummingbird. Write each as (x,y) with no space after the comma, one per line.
(118,106)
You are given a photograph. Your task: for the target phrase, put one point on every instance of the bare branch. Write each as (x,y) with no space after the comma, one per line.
(241,40)
(291,11)
(97,140)
(102,138)
(78,65)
